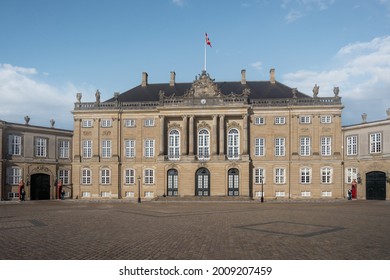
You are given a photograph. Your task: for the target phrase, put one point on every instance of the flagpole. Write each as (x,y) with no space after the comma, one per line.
(205,47)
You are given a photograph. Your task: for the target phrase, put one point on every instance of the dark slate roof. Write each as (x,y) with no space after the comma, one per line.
(258,90)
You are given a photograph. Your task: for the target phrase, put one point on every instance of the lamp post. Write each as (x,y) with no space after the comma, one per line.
(139,189)
(262,189)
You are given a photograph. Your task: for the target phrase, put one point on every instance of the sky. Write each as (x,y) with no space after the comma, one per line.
(51,49)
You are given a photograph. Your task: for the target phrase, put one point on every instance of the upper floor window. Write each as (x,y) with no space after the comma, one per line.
(259,176)
(40,147)
(326,119)
(259,120)
(15,145)
(106,148)
(305,175)
(149,148)
(174,144)
(86,176)
(352,145)
(305,146)
(280,146)
(106,123)
(280,120)
(304,119)
(204,144)
(149,176)
(129,123)
(260,147)
(376,142)
(149,122)
(105,176)
(280,176)
(326,146)
(130,148)
(87,148)
(63,148)
(233,144)
(129,176)
(326,175)
(87,123)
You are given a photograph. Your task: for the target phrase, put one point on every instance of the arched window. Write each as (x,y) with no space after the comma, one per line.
(233,144)
(202,181)
(204,144)
(174,144)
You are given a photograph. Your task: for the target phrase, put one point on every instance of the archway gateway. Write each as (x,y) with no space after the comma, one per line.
(40,187)
(376,185)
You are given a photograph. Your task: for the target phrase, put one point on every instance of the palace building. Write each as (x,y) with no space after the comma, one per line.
(249,139)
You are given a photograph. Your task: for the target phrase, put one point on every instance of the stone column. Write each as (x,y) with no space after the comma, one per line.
(191,136)
(184,149)
(222,134)
(162,135)
(214,136)
(245,136)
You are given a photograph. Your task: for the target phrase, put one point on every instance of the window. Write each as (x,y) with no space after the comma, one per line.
(129,194)
(174,145)
(15,145)
(86,194)
(149,148)
(148,194)
(259,120)
(203,144)
(350,174)
(129,176)
(105,194)
(40,147)
(130,148)
(352,145)
(326,119)
(280,120)
(304,119)
(86,123)
(63,147)
(129,123)
(375,143)
(149,122)
(233,144)
(259,194)
(106,123)
(305,146)
(326,146)
(105,176)
(14,175)
(326,193)
(12,195)
(63,175)
(86,176)
(106,148)
(279,146)
(260,147)
(259,176)
(326,175)
(87,148)
(280,176)
(280,194)
(305,175)
(149,176)
(305,193)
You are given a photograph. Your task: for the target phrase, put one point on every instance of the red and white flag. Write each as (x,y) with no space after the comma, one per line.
(208,40)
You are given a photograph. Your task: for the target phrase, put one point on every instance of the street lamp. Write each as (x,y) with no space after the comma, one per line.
(262,189)
(139,189)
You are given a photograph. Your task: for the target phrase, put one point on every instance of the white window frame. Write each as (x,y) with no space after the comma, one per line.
(280,176)
(375,143)
(86,123)
(130,148)
(63,149)
(87,148)
(149,148)
(259,120)
(326,175)
(280,194)
(305,193)
(280,120)
(351,174)
(174,144)
(233,143)
(305,175)
(149,176)
(85,194)
(326,146)
(259,174)
(203,144)
(106,148)
(149,122)
(106,123)
(305,146)
(64,175)
(326,193)
(130,123)
(15,145)
(280,146)
(305,119)
(14,175)
(40,146)
(129,176)
(352,145)
(105,176)
(326,119)
(260,147)
(105,194)
(86,176)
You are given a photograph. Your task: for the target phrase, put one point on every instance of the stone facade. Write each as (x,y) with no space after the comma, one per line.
(37,155)
(209,139)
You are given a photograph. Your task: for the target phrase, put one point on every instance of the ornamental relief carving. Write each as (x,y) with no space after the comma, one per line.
(87,133)
(233,124)
(203,87)
(174,126)
(306,129)
(205,125)
(326,129)
(106,133)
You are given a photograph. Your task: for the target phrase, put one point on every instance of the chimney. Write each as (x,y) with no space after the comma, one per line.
(272,76)
(243,76)
(172,81)
(144,79)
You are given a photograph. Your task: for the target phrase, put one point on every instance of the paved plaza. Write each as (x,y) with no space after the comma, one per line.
(73,229)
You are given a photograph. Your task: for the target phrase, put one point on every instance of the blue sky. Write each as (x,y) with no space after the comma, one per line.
(50,50)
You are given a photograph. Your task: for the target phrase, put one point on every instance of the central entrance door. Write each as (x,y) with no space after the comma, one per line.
(376,185)
(40,186)
(202,182)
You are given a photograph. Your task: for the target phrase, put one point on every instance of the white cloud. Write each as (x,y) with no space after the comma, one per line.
(293,16)
(22,94)
(257,65)
(300,8)
(362,73)
(179,3)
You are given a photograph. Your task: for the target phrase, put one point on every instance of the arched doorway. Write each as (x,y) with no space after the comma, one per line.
(40,186)
(376,185)
(172,186)
(202,182)
(233,182)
